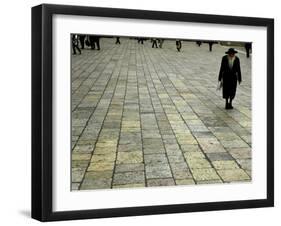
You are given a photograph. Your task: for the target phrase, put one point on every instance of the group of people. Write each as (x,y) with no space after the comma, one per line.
(78,41)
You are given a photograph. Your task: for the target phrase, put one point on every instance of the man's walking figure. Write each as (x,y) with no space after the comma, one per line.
(229,74)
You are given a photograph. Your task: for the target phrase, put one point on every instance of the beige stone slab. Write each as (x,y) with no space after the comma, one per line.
(104,150)
(99,174)
(80,157)
(101,166)
(194,155)
(205,174)
(190,147)
(240,153)
(225,164)
(233,175)
(102,158)
(130,124)
(184,181)
(198,163)
(129,157)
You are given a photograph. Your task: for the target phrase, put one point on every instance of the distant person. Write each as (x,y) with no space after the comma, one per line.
(82,40)
(178,45)
(160,41)
(74,39)
(117,40)
(248,47)
(199,43)
(154,42)
(211,43)
(94,41)
(140,40)
(229,74)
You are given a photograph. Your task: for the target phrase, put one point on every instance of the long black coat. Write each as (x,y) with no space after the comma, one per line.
(229,76)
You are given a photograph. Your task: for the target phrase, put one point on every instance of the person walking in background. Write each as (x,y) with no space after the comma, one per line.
(160,41)
(94,41)
(74,39)
(82,40)
(248,46)
(117,40)
(211,43)
(140,40)
(229,74)
(178,45)
(154,42)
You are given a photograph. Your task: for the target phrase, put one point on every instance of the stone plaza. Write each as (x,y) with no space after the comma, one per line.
(144,116)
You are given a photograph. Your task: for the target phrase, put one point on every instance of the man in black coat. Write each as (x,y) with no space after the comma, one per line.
(230,73)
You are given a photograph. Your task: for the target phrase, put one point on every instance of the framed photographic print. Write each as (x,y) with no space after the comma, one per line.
(145,112)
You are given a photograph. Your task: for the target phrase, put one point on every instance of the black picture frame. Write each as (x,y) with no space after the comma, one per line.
(42,111)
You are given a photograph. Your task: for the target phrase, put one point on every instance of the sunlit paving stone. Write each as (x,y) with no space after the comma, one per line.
(229,175)
(144,117)
(205,174)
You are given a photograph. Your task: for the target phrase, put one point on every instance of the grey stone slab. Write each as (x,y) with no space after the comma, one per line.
(160,182)
(90,184)
(120,168)
(155,159)
(158,171)
(129,178)
(219,156)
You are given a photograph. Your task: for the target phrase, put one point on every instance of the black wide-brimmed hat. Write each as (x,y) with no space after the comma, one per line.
(231,50)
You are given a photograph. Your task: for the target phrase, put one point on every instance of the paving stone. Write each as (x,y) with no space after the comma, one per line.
(240,153)
(160,182)
(129,178)
(119,168)
(130,147)
(212,147)
(155,159)
(104,150)
(103,158)
(233,175)
(101,166)
(80,157)
(185,182)
(225,164)
(246,164)
(176,158)
(79,164)
(194,155)
(198,163)
(234,144)
(96,175)
(158,171)
(77,174)
(204,174)
(219,156)
(89,184)
(86,149)
(190,148)
(129,157)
